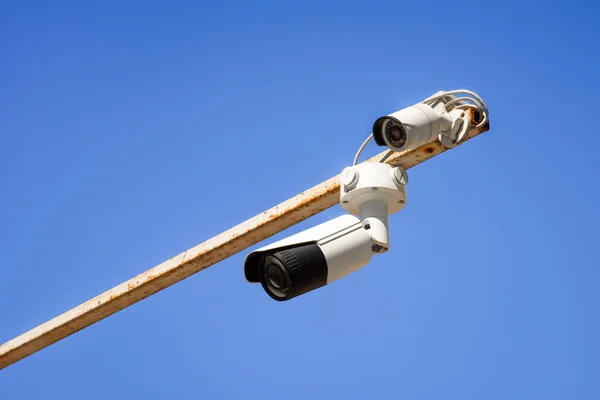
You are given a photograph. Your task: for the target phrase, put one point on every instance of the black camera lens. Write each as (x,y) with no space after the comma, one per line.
(276,276)
(294,271)
(395,134)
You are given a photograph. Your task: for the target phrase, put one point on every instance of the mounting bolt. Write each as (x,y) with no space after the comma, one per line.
(349,178)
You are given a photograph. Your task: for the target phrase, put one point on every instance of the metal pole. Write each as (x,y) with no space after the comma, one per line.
(226,244)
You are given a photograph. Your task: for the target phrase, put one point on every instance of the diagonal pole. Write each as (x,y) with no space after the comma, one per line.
(202,256)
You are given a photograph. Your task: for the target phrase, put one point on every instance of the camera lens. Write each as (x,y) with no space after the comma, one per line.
(275,275)
(294,271)
(274,278)
(395,134)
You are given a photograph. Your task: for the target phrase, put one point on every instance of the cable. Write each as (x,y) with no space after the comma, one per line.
(386,156)
(362,147)
(478,102)
(459,99)
(458,91)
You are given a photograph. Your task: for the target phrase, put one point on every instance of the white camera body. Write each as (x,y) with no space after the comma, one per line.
(411,127)
(441,116)
(329,251)
(310,259)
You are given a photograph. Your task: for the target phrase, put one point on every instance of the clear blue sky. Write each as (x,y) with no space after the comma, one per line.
(129,133)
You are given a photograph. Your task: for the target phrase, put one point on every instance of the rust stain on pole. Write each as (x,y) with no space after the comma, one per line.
(204,255)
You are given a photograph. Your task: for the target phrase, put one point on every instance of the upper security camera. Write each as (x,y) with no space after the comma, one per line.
(408,128)
(442,116)
(327,252)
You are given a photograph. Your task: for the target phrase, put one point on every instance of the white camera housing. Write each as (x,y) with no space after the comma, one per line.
(441,116)
(329,251)
(310,259)
(411,127)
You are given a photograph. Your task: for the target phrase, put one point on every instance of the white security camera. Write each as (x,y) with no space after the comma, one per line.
(310,259)
(440,116)
(329,251)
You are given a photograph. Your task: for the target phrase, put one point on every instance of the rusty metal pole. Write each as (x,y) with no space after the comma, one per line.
(204,255)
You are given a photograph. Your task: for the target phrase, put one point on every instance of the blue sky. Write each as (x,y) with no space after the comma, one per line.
(131,132)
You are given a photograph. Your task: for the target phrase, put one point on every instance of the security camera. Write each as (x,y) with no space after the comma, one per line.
(322,254)
(442,116)
(310,259)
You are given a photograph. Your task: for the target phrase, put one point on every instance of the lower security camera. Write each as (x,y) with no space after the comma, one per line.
(320,255)
(310,259)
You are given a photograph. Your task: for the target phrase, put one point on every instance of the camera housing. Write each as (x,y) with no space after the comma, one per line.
(410,127)
(327,252)
(310,259)
(443,116)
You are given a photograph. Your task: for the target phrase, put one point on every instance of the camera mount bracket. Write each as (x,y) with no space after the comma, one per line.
(372,191)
